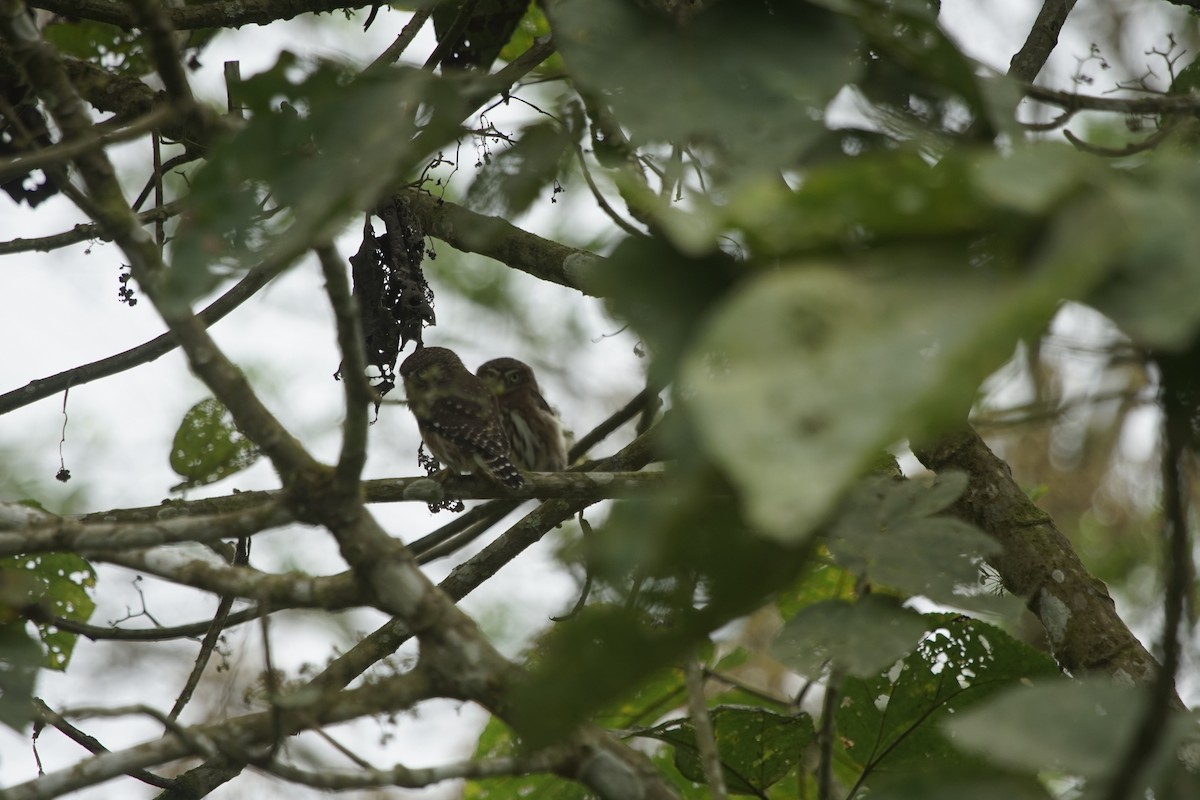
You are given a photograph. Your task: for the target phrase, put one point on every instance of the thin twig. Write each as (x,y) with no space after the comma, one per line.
(617,219)
(92,744)
(1133,148)
(160,634)
(706,740)
(209,645)
(82,232)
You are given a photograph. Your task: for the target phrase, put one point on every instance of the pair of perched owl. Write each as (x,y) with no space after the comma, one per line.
(493,422)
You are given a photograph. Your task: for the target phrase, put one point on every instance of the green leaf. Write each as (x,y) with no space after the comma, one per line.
(1033,179)
(892,722)
(1079,727)
(208,447)
(750,79)
(102,44)
(59,582)
(1149,295)
(951,784)
(861,638)
(20,658)
(585,664)
(664,294)
(532,26)
(337,144)
(890,534)
(870,200)
(513,179)
(757,747)
(785,381)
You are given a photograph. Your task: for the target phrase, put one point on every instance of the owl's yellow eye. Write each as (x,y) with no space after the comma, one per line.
(514,376)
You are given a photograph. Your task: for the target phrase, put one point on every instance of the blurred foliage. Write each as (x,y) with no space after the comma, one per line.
(1068,726)
(316,124)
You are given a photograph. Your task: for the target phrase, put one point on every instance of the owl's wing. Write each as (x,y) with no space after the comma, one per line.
(469,424)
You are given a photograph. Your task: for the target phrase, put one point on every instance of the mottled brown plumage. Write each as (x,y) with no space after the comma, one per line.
(533,427)
(457,416)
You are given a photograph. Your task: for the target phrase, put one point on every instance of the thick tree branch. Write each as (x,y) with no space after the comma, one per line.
(240,735)
(353,370)
(415,778)
(286,590)
(496,238)
(201,15)
(1043,37)
(69,535)
(598,484)
(1039,565)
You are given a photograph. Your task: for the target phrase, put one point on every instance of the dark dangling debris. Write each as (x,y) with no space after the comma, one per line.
(394,300)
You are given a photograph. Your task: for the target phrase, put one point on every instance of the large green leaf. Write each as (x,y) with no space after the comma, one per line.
(751,78)
(208,446)
(891,533)
(799,380)
(757,747)
(786,382)
(891,723)
(860,638)
(1076,727)
(1150,297)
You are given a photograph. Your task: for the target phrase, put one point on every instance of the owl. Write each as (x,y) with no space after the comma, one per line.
(534,429)
(457,416)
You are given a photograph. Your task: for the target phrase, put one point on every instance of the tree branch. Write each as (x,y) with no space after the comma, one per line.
(297,712)
(1039,565)
(98,537)
(188,631)
(287,590)
(1043,37)
(353,369)
(201,15)
(496,238)
(415,778)
(598,484)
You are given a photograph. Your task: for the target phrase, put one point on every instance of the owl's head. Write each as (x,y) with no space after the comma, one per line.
(505,375)
(430,366)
